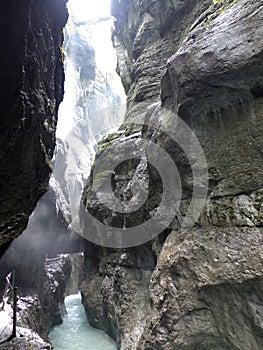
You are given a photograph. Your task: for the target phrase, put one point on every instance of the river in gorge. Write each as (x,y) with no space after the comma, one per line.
(75,333)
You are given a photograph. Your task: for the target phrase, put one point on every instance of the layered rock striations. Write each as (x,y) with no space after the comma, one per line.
(32,80)
(198,288)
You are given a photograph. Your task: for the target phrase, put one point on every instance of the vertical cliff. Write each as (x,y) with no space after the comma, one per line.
(31,88)
(198,63)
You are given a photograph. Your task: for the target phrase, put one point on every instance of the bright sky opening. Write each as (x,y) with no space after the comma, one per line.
(89,9)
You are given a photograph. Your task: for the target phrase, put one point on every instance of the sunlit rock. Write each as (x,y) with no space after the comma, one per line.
(93,106)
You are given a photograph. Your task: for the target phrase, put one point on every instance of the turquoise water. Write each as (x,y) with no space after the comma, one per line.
(75,333)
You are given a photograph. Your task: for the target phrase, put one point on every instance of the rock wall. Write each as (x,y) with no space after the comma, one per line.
(44,274)
(31,88)
(40,304)
(195,289)
(43,307)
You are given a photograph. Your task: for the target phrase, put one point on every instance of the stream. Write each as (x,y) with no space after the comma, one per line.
(75,333)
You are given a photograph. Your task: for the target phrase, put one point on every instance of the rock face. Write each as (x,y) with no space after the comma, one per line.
(26,340)
(31,88)
(91,106)
(225,96)
(46,236)
(146,40)
(113,291)
(198,288)
(41,292)
(44,307)
(43,275)
(205,289)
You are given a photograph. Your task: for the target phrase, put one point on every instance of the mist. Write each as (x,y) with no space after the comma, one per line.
(46,236)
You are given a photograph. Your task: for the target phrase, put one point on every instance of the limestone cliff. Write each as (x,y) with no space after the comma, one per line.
(31,88)
(200,61)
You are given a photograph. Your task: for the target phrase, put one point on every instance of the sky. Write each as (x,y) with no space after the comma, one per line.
(105,55)
(94,10)
(90,9)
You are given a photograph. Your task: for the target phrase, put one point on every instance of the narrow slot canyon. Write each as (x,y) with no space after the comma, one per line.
(47,260)
(131,175)
(75,331)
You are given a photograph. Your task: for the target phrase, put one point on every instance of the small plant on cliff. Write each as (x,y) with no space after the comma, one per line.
(63,54)
(217,7)
(223,5)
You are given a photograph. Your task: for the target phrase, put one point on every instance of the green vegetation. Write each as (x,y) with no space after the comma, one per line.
(108,138)
(63,54)
(104,143)
(218,7)
(47,158)
(224,4)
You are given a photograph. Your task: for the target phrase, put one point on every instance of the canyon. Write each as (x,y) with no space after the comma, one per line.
(192,72)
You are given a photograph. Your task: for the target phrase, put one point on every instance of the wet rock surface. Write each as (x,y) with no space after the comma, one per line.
(146,34)
(145,41)
(113,291)
(31,90)
(26,340)
(203,289)
(218,64)
(38,308)
(40,305)
(206,291)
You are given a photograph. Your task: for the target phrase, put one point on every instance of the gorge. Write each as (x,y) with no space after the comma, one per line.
(193,76)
